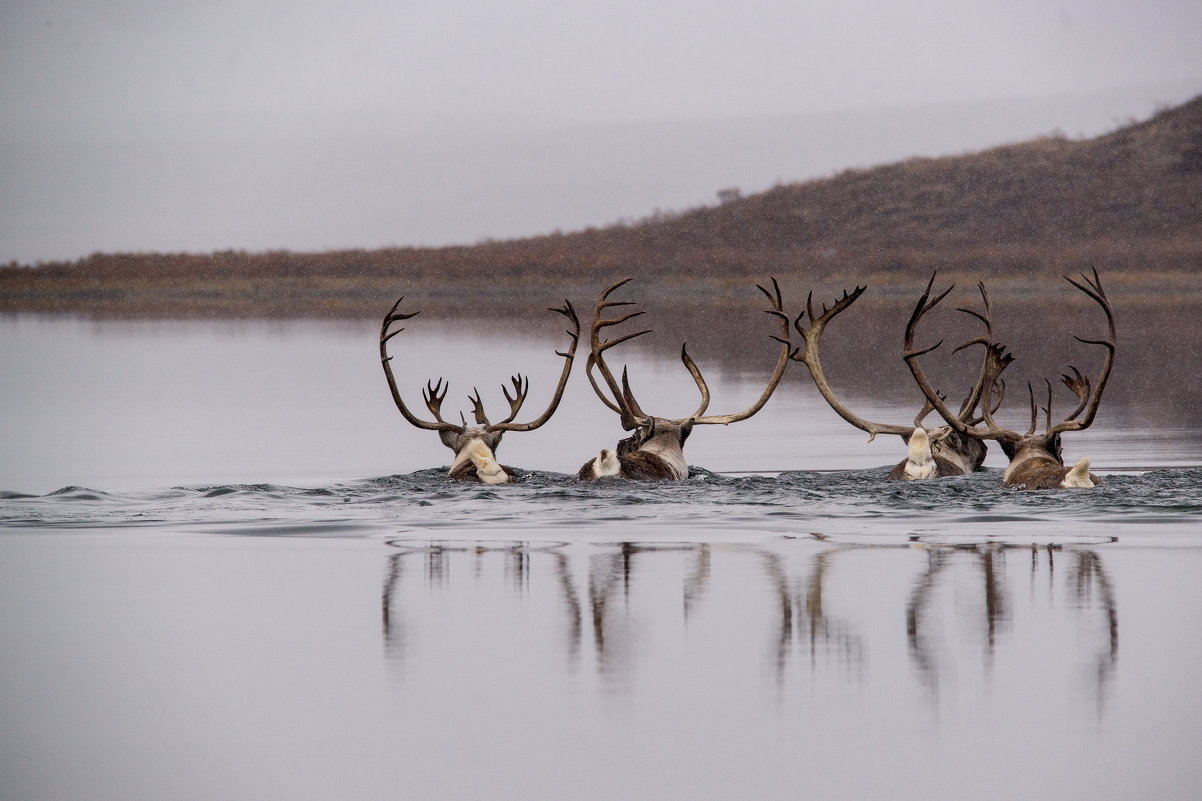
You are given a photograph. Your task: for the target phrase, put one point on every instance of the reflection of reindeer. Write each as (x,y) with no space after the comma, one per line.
(820,632)
(1087,578)
(919,644)
(609,571)
(800,601)
(605,571)
(697,582)
(990,560)
(803,621)
(1089,575)
(437,556)
(393,628)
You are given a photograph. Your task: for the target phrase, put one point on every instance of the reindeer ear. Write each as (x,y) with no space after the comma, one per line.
(940,434)
(1054,447)
(450,439)
(686,428)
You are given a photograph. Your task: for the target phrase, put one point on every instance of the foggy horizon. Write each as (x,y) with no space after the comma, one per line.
(138,127)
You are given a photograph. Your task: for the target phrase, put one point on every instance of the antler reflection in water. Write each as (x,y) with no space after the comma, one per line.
(1087,579)
(393,626)
(563,572)
(921,647)
(820,632)
(774,567)
(989,561)
(436,567)
(802,620)
(697,582)
(604,572)
(608,571)
(436,558)
(824,630)
(993,565)
(517,569)
(1091,576)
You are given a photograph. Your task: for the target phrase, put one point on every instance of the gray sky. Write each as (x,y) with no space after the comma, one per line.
(159,125)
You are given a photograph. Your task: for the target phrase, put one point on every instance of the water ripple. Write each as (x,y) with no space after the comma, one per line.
(852,502)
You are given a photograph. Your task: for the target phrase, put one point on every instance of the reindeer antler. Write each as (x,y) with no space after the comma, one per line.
(995,361)
(1089,399)
(623,401)
(1089,394)
(782,361)
(435,392)
(598,346)
(807,353)
(432,395)
(521,385)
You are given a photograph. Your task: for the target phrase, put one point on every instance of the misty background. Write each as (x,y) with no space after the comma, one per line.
(175,126)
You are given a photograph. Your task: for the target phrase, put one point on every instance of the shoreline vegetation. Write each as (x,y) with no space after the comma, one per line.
(1019,216)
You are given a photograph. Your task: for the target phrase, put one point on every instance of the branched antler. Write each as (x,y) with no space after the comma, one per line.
(436,391)
(777,310)
(432,396)
(621,398)
(995,361)
(808,354)
(521,385)
(1091,398)
(597,348)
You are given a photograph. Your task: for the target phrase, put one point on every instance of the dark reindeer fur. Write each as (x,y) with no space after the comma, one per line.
(633,459)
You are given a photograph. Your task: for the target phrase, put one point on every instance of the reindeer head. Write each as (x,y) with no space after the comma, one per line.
(956,454)
(1036,458)
(663,437)
(458,441)
(476,443)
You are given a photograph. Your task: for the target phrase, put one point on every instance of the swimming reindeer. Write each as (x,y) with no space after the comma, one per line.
(1036,460)
(933,453)
(655,449)
(475,446)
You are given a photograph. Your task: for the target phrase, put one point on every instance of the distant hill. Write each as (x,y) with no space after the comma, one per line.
(1141,182)
(1129,202)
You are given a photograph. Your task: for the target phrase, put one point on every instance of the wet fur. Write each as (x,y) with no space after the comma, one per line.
(605,465)
(1042,473)
(949,455)
(652,453)
(475,456)
(639,465)
(942,468)
(466,471)
(1036,464)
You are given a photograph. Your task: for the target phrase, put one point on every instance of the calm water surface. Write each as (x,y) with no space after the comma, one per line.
(228,570)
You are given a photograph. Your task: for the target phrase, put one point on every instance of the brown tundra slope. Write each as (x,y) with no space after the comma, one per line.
(1127,202)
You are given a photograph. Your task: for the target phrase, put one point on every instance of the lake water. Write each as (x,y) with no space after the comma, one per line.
(229,569)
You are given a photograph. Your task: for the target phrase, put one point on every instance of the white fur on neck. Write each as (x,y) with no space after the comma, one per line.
(919,463)
(606,464)
(486,463)
(1078,476)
